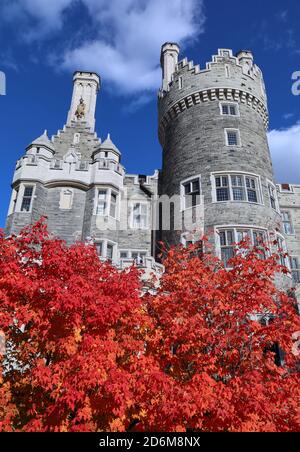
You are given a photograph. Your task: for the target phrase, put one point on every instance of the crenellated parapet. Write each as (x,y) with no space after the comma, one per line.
(226,77)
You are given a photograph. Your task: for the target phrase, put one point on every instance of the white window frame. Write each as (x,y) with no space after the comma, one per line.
(296,269)
(289,221)
(271,184)
(283,260)
(197,177)
(142,203)
(131,251)
(235,104)
(236,173)
(13,200)
(109,191)
(20,196)
(238,134)
(235,228)
(285,191)
(106,242)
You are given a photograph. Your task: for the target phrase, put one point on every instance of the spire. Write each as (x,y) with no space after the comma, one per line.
(43,140)
(108,145)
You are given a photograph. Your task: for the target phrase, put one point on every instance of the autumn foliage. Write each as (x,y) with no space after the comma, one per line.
(86,352)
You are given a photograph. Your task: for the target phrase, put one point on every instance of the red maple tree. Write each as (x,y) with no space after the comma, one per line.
(86,352)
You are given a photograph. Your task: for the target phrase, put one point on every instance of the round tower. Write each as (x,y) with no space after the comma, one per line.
(217,167)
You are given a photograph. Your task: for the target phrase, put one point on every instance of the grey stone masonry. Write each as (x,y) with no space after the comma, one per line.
(216,178)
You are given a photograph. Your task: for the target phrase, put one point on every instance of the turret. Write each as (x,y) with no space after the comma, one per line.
(86,86)
(41,146)
(168,61)
(107,150)
(217,168)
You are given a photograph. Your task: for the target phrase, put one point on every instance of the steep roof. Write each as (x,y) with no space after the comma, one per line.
(108,145)
(43,140)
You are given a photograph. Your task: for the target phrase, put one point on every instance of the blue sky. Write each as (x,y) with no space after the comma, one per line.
(42,42)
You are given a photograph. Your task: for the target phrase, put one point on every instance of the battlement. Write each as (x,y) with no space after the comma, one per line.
(225,78)
(223,68)
(69,170)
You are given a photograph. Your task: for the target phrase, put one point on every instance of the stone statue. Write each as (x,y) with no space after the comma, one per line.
(80,112)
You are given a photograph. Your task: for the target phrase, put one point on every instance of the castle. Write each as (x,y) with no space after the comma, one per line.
(216,177)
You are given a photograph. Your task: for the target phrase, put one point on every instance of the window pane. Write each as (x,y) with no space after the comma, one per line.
(225,181)
(232,110)
(225,109)
(230,237)
(218,182)
(232,138)
(238,194)
(222,194)
(288,228)
(99,248)
(252,196)
(28,191)
(187,188)
(26,205)
(196,186)
(222,238)
(109,251)
(226,254)
(123,254)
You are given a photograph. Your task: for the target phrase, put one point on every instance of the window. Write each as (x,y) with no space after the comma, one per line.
(113,205)
(180,83)
(105,249)
(102,202)
(66,199)
(191,192)
(222,187)
(107,203)
(237,187)
(109,251)
(227,246)
(273,198)
(287,223)
(99,248)
(281,250)
(232,137)
(229,238)
(27,198)
(295,269)
(229,109)
(140,216)
(138,257)
(286,187)
(14,200)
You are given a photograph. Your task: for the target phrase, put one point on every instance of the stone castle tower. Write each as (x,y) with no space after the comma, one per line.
(213,129)
(216,176)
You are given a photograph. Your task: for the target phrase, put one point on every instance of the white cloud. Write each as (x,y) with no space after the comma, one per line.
(285,150)
(125,49)
(128,57)
(48,15)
